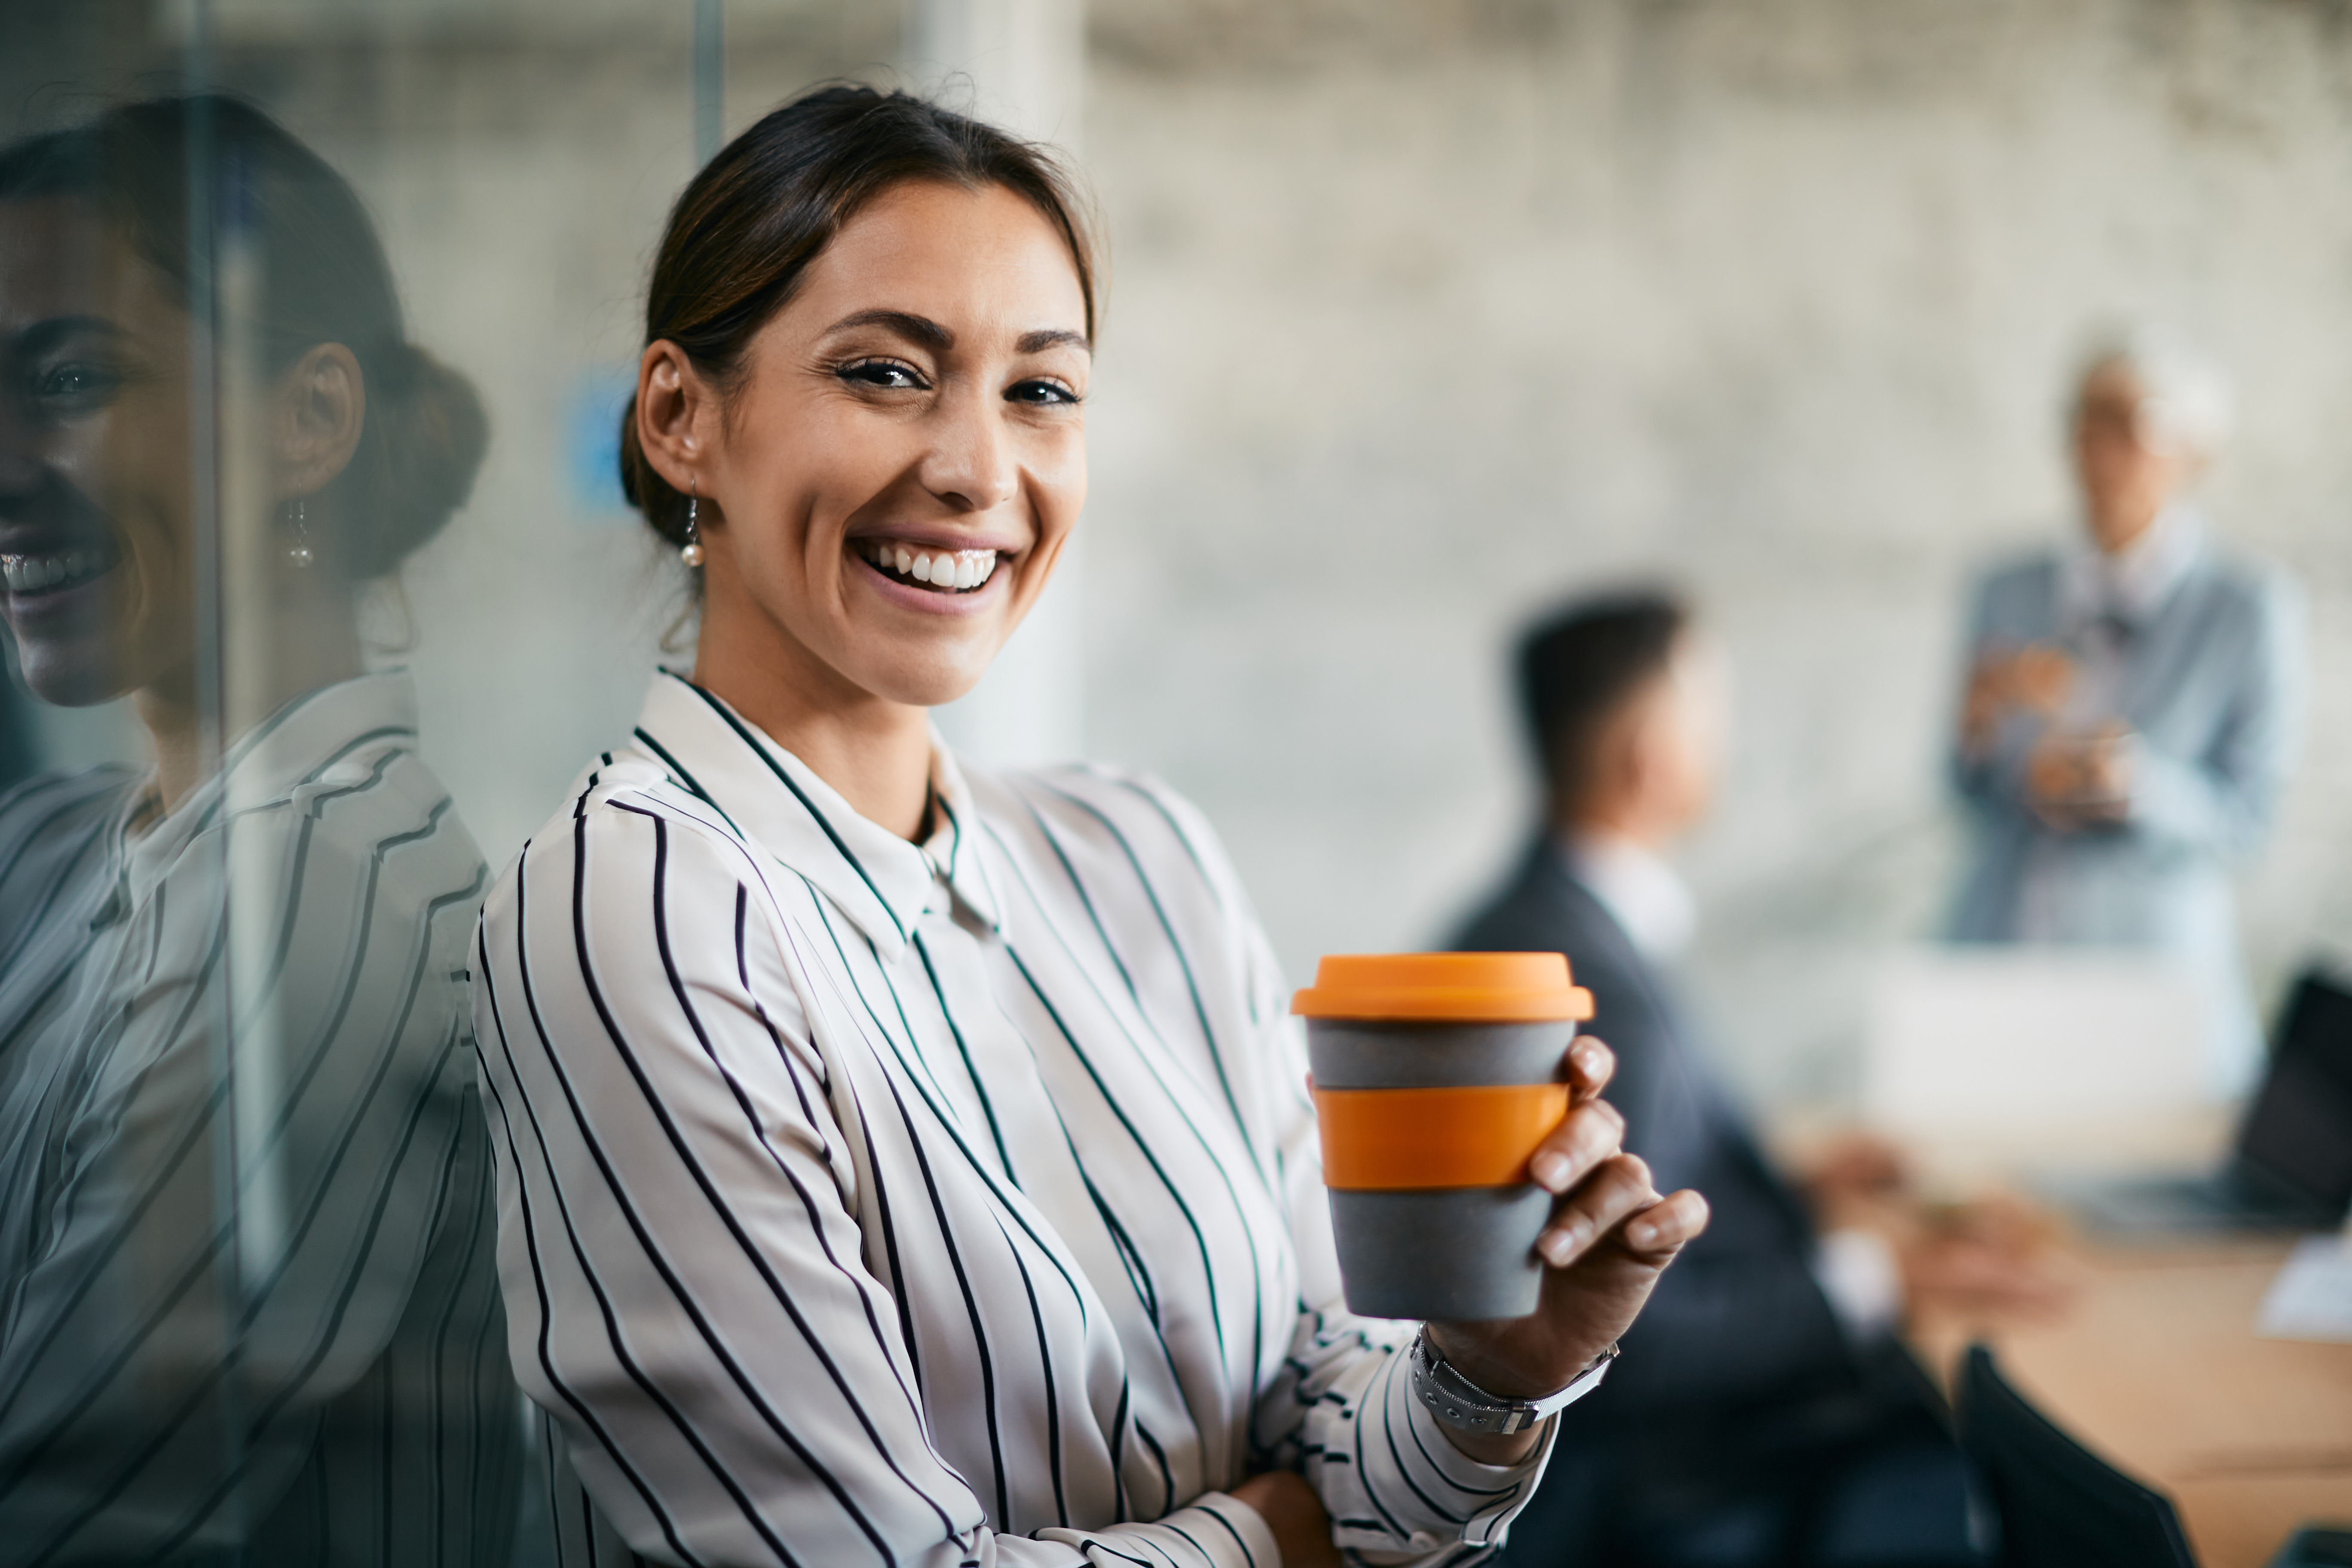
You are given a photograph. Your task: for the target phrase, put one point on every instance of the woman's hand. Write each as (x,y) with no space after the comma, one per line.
(1294,1514)
(1610,1237)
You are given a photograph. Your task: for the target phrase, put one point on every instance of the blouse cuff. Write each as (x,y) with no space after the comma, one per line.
(1438,1492)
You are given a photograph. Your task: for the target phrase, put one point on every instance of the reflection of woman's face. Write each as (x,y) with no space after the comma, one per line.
(917,401)
(95,536)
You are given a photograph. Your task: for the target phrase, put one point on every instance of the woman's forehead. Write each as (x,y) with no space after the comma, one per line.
(985,255)
(63,257)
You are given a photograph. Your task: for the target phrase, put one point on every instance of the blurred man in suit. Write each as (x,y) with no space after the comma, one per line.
(1763,1411)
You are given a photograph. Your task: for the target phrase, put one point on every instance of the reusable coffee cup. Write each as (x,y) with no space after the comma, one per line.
(1436,1076)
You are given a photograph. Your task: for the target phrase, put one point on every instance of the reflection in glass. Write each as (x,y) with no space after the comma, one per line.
(247,1297)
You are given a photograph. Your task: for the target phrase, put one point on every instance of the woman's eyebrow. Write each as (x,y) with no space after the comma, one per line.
(1053,337)
(931,335)
(916,328)
(45,335)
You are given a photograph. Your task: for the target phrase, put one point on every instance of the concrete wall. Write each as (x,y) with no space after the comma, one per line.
(1423,314)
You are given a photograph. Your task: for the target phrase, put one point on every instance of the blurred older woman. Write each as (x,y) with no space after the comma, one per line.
(2132,701)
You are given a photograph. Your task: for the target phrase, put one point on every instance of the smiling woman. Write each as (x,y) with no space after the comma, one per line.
(899,1165)
(248,1304)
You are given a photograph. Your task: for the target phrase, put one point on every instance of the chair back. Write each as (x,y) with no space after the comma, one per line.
(2061,1505)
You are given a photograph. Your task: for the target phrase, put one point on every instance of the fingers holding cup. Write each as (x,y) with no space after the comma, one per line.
(1593,1132)
(1617,1188)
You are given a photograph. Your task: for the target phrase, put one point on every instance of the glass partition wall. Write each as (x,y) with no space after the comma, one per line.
(317,317)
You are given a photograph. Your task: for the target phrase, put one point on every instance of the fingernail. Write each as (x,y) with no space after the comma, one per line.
(1559,1247)
(1642,1233)
(1588,1061)
(1550,1169)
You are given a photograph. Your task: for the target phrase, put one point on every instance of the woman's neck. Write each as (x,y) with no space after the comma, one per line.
(302,651)
(875,753)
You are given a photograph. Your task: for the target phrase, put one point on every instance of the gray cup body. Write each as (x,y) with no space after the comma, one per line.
(1448,1252)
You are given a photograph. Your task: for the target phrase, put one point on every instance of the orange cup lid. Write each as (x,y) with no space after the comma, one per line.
(1456,987)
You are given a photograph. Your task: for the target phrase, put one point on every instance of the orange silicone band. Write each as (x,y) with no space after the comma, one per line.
(1400,1138)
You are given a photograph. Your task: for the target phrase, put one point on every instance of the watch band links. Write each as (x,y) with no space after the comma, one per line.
(1463,1405)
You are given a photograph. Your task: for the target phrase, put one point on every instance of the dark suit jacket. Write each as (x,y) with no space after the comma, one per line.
(1739,1319)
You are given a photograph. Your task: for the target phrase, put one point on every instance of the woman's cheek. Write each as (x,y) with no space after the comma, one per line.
(1062,477)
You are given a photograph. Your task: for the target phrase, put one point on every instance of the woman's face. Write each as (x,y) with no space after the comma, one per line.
(95,536)
(898,469)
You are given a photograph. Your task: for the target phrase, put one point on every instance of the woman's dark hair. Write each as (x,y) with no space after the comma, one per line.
(744,232)
(323,279)
(1581,662)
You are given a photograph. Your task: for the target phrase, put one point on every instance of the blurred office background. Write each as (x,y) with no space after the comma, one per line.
(1421,314)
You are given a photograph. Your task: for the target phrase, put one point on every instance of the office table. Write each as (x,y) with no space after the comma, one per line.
(2157,1369)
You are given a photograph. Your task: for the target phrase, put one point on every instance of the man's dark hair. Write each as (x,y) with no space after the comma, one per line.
(1580,663)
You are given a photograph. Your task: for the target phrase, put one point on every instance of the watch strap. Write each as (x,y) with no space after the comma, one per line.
(1463,1405)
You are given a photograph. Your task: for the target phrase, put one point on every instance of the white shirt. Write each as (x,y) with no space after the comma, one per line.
(2099,595)
(2102,599)
(265,987)
(1643,894)
(864,1202)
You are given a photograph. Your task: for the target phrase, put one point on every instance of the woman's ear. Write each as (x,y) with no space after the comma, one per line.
(675,407)
(321,405)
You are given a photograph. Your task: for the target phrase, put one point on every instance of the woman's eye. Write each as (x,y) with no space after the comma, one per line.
(73,382)
(887,375)
(1043,394)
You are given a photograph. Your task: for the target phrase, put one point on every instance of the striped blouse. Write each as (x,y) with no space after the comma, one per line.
(248,1289)
(869,1203)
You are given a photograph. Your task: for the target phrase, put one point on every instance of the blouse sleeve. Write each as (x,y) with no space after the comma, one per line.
(686,1291)
(165,1362)
(1342,1410)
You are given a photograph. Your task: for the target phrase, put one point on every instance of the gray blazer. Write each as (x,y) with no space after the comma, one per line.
(2211,683)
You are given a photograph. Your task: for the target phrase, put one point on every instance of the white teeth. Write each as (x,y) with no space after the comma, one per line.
(33,573)
(959,572)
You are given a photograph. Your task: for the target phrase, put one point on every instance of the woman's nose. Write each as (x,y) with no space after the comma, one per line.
(22,471)
(970,461)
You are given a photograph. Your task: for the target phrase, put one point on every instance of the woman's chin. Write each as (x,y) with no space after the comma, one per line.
(934,676)
(64,678)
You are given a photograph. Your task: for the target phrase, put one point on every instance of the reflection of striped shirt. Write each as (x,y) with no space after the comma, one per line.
(869,1204)
(258,996)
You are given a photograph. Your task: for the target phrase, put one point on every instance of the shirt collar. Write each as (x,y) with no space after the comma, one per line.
(879,882)
(1638,888)
(270,762)
(2137,583)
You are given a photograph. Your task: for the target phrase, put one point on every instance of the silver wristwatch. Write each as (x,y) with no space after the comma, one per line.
(1462,1404)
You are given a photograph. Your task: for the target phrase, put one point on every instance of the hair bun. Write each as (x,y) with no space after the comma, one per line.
(435,434)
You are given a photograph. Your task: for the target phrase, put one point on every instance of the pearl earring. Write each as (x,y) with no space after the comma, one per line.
(298,553)
(691,550)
